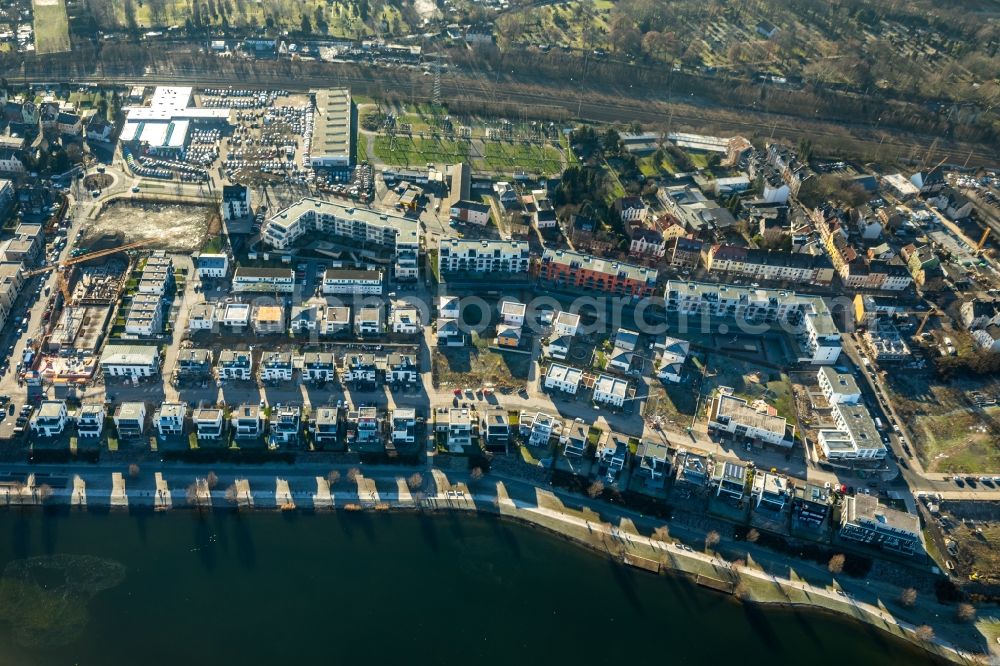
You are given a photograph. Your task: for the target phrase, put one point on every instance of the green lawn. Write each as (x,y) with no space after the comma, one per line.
(506,157)
(362,150)
(51,26)
(407,151)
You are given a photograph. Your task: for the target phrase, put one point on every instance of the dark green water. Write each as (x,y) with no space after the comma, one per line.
(371,589)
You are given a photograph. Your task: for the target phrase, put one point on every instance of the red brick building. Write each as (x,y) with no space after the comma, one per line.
(564,268)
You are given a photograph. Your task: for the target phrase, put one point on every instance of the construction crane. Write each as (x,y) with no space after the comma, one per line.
(933,312)
(79,259)
(982,240)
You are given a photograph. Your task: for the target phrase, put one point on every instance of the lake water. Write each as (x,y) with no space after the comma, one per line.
(110,589)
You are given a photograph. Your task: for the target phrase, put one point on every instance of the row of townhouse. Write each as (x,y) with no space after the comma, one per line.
(145,314)
(393,368)
(807,317)
(396,234)
(313,316)
(857,270)
(768,264)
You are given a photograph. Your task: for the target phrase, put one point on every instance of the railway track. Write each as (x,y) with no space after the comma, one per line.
(606,109)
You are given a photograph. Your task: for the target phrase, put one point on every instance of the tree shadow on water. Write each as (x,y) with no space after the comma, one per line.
(246,550)
(625,580)
(204,545)
(761,625)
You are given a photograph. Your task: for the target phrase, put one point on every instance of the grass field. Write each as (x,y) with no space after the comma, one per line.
(949,432)
(51,26)
(477,365)
(407,151)
(529,157)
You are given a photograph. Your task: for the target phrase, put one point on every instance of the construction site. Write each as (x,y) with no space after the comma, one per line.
(65,355)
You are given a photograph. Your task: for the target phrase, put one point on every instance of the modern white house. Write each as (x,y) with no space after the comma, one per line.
(169,418)
(130,419)
(671,354)
(404,319)
(212,266)
(201,317)
(247,421)
(234,364)
(235,202)
(90,421)
(854,436)
(50,419)
(276,366)
(449,307)
(565,323)
(209,423)
(318,367)
(610,390)
(512,313)
(539,428)
(563,378)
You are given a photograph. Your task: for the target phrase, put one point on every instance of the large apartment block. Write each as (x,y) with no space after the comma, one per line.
(395,233)
(342,281)
(808,317)
(263,280)
(864,519)
(483,256)
(565,268)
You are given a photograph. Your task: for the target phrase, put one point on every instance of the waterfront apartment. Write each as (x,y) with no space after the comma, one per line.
(338,281)
(209,423)
(325,426)
(395,234)
(810,506)
(496,425)
(729,479)
(365,430)
(758,422)
(130,419)
(248,279)
(770,492)
(169,418)
(576,440)
(247,421)
(483,256)
(806,317)
(539,428)
(854,436)
(90,421)
(565,268)
(50,419)
(285,423)
(460,429)
(403,427)
(863,519)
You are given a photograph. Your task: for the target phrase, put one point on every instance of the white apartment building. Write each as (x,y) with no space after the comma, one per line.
(395,233)
(135,361)
(263,280)
(276,366)
(808,317)
(404,319)
(342,281)
(90,421)
(565,323)
(838,387)
(50,419)
(483,256)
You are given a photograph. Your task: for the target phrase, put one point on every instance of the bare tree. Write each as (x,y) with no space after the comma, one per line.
(332,477)
(415,481)
(192,495)
(742,591)
(231,493)
(596,488)
(213,480)
(44,492)
(908,597)
(965,612)
(662,533)
(476,474)
(836,563)
(353,473)
(133,471)
(711,540)
(924,633)
(753,535)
